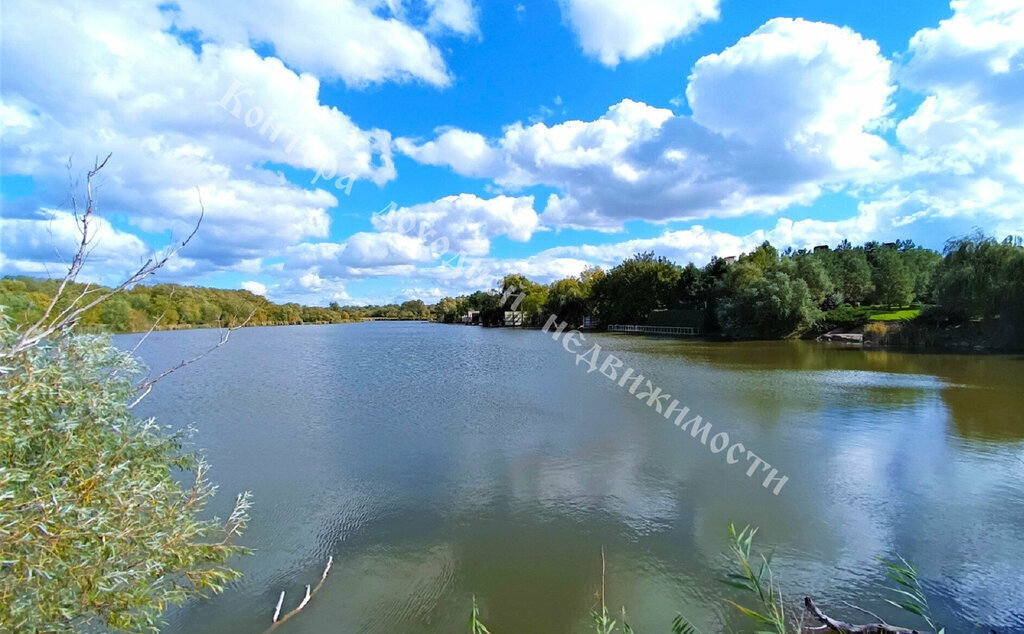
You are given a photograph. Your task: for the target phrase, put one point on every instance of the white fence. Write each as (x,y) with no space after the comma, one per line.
(655,330)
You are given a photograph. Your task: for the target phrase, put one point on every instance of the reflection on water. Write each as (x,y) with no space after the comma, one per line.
(438,462)
(986,412)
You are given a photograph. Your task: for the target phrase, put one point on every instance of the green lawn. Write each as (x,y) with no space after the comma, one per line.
(898,315)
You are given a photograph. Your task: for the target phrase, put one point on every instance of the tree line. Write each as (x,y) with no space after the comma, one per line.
(768,294)
(765,294)
(175,306)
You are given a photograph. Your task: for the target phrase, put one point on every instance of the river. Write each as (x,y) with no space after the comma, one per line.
(435,463)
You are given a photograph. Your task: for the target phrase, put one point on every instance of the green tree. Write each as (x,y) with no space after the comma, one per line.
(588,278)
(16,301)
(160,307)
(448,310)
(139,298)
(96,533)
(764,257)
(921,264)
(692,287)
(850,273)
(210,312)
(813,272)
(629,292)
(482,300)
(292,313)
(416,309)
(534,296)
(978,276)
(771,306)
(189,311)
(894,283)
(741,275)
(116,313)
(1011,314)
(567,299)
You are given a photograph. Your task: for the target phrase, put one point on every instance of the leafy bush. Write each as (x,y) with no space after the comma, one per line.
(843,317)
(95,531)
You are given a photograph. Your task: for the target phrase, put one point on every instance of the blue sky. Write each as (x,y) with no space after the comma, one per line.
(537,136)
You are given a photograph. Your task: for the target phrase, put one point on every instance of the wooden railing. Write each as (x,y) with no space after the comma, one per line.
(655,330)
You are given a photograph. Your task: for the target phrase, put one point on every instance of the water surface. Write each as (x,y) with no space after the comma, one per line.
(440,462)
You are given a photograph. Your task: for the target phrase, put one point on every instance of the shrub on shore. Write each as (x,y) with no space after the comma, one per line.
(95,529)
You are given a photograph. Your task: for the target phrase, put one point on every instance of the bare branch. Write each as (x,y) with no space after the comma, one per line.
(156,322)
(868,612)
(849,628)
(142,340)
(277,610)
(82,222)
(48,323)
(145,387)
(305,600)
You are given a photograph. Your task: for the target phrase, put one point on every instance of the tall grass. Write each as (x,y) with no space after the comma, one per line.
(475,626)
(910,595)
(767,608)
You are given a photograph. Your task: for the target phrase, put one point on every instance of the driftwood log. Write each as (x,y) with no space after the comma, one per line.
(828,623)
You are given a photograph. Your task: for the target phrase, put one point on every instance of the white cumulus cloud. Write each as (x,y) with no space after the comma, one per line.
(794,85)
(458,16)
(44,246)
(965,142)
(612,30)
(463,223)
(256,288)
(175,120)
(450,229)
(342,39)
(785,112)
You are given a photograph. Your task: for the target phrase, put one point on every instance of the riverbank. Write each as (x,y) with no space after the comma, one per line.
(914,335)
(94,330)
(921,334)
(26,300)
(100,329)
